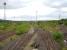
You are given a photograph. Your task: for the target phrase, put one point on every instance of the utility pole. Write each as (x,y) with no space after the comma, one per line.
(14,17)
(59,9)
(4,10)
(36,17)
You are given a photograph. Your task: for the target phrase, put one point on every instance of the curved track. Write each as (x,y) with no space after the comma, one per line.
(20,43)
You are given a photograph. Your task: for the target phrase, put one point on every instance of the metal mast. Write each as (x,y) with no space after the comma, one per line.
(36,18)
(4,10)
(59,10)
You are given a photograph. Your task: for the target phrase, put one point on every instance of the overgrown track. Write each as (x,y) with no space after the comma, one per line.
(6,35)
(20,43)
(63,29)
(45,41)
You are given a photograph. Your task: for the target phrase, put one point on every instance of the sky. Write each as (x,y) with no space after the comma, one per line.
(26,9)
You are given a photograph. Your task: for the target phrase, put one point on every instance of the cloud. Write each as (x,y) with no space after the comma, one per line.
(27,8)
(56,3)
(54,15)
(12,4)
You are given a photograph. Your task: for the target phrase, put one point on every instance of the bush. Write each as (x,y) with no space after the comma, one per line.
(60,22)
(58,37)
(65,23)
(22,28)
(18,33)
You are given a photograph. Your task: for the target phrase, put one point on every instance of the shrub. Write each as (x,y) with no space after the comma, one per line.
(22,28)
(58,37)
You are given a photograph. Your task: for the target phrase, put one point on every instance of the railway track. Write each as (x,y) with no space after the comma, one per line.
(45,41)
(63,29)
(6,35)
(20,43)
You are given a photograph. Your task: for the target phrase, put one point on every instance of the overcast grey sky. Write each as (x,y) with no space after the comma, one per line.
(20,8)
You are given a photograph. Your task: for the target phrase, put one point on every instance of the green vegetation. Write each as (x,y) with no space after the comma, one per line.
(65,48)
(51,26)
(63,21)
(58,37)
(22,28)
(7,27)
(10,26)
